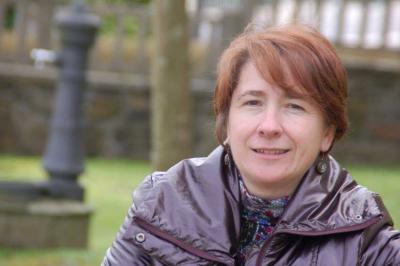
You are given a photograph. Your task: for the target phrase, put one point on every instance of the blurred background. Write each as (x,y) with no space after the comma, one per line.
(117,106)
(366,33)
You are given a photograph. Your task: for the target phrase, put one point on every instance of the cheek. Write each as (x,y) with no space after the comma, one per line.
(237,133)
(228,123)
(240,129)
(309,133)
(233,124)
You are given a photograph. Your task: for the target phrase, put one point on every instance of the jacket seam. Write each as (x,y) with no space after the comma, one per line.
(163,235)
(315,253)
(346,229)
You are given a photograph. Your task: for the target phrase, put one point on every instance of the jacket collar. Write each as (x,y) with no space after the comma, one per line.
(329,203)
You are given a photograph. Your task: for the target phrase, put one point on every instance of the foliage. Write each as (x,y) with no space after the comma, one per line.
(120,1)
(109,184)
(109,25)
(9,17)
(109,22)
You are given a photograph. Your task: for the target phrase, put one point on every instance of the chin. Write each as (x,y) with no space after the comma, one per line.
(276,177)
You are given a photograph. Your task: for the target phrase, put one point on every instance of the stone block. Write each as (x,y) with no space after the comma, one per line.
(44,224)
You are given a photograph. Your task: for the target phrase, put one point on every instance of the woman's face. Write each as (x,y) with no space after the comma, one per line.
(274,137)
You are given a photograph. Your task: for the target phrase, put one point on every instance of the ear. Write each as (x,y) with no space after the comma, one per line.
(328,138)
(226,141)
(227,129)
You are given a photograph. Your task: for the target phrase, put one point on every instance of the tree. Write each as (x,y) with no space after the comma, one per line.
(171,119)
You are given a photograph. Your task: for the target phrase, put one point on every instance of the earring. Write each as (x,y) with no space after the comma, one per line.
(322,165)
(226,159)
(227,149)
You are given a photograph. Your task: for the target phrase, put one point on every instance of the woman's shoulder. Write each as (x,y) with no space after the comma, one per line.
(355,196)
(380,243)
(359,201)
(197,169)
(194,182)
(341,201)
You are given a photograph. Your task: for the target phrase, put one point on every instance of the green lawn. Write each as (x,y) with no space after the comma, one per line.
(109,184)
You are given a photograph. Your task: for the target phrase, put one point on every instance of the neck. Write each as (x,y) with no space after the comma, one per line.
(271,191)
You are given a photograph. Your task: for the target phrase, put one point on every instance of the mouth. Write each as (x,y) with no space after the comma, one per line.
(271,151)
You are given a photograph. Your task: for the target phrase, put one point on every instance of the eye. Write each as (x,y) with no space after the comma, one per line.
(295,107)
(253,103)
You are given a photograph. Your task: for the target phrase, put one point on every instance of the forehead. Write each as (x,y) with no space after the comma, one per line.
(252,82)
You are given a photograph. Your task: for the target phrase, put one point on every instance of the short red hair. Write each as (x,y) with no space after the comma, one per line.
(290,57)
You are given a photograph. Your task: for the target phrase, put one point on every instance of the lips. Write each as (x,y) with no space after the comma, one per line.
(271,151)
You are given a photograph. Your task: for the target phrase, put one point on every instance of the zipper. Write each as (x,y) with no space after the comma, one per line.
(347,229)
(264,247)
(165,236)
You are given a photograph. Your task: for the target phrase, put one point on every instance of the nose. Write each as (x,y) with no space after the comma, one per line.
(270,124)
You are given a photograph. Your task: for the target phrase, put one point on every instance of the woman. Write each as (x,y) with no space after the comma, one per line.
(271,194)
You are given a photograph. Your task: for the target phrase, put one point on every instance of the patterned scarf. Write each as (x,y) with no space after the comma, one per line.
(258,219)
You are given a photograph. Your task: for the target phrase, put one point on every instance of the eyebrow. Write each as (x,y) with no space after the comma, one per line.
(294,94)
(289,93)
(256,93)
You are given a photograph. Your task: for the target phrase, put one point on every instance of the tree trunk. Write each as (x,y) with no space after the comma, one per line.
(171,123)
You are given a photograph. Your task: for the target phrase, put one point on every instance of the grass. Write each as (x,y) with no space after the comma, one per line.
(109,184)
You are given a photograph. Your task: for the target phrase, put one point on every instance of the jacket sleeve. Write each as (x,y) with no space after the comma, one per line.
(384,248)
(123,252)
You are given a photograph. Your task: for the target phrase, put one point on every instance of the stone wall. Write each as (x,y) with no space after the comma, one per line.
(118,124)
(374,109)
(116,114)
(24,113)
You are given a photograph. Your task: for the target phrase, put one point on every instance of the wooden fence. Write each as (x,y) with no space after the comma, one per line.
(124,43)
(27,24)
